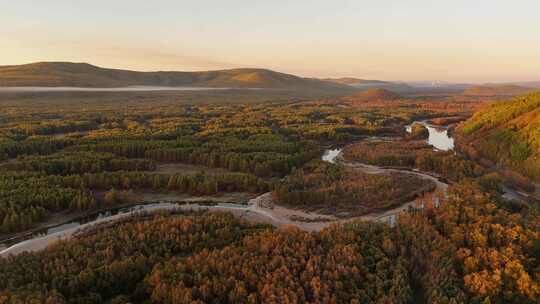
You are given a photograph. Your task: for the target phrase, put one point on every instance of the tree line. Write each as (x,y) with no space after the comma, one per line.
(65,163)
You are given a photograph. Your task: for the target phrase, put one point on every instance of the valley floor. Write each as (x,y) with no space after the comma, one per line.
(261,209)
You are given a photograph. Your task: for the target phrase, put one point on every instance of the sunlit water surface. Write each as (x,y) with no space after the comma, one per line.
(438,136)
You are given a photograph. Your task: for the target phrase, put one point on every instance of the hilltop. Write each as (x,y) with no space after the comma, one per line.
(373,95)
(50,74)
(507,133)
(357,81)
(373,84)
(497,90)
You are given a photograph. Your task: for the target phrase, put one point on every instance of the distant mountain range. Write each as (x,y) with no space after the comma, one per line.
(51,74)
(69,74)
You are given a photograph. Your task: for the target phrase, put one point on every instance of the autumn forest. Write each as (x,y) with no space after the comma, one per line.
(274,199)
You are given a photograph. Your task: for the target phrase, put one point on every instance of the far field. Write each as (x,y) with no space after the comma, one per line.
(88,151)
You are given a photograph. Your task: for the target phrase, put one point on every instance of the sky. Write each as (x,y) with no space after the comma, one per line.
(409,40)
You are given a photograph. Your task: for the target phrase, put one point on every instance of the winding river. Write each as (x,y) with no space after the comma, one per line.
(40,239)
(253,209)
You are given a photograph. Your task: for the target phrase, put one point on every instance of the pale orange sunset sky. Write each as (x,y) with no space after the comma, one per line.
(478,41)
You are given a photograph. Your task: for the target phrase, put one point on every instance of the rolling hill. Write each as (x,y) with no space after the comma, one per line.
(497,90)
(507,133)
(51,74)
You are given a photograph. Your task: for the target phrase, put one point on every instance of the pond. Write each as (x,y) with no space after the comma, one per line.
(331,155)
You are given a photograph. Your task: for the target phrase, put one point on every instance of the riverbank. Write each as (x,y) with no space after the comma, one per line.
(60,221)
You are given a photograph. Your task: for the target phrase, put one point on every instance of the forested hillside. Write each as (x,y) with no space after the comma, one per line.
(497,90)
(507,133)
